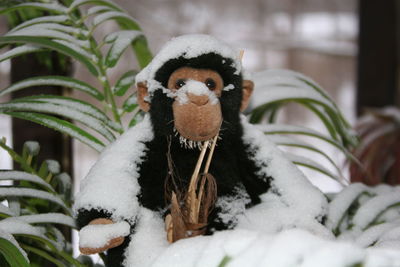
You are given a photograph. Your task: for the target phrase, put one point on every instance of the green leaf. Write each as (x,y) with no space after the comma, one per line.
(57,46)
(130,103)
(292,142)
(20,50)
(120,41)
(24,176)
(225,261)
(124,83)
(76,104)
(42,19)
(118,16)
(142,51)
(54,81)
(62,126)
(311,164)
(58,109)
(107,3)
(11,253)
(43,254)
(34,193)
(52,7)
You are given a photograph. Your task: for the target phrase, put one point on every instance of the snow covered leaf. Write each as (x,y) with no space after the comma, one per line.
(98,9)
(275,88)
(52,217)
(130,103)
(341,204)
(43,19)
(51,44)
(292,142)
(52,7)
(24,176)
(12,254)
(311,164)
(79,105)
(54,81)
(120,41)
(118,16)
(62,126)
(19,50)
(124,83)
(368,214)
(60,109)
(6,211)
(107,3)
(34,193)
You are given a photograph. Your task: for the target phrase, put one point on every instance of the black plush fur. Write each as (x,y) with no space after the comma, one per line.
(231,165)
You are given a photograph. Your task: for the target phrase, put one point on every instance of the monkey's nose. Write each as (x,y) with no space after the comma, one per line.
(199,100)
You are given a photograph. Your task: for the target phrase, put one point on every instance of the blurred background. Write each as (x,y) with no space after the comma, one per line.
(349,47)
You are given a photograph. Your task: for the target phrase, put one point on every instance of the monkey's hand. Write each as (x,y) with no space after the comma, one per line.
(102,234)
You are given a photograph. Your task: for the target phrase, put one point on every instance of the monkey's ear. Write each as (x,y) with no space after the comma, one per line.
(142,92)
(248,87)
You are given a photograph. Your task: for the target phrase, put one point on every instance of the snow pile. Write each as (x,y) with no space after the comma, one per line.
(188,46)
(98,235)
(112,182)
(248,248)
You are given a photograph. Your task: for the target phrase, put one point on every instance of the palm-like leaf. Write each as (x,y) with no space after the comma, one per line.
(275,89)
(41,204)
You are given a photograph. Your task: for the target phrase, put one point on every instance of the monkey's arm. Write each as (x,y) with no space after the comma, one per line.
(111,188)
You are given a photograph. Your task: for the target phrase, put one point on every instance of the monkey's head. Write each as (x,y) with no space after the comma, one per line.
(194,87)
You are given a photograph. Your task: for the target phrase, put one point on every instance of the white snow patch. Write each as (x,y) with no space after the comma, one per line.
(112,182)
(189,46)
(98,235)
(196,88)
(292,201)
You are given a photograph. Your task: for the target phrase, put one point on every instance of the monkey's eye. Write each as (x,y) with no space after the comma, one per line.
(179,83)
(211,84)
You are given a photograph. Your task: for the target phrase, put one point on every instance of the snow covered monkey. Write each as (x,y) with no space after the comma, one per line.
(137,196)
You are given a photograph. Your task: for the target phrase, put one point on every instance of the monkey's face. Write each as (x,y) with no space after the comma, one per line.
(196,106)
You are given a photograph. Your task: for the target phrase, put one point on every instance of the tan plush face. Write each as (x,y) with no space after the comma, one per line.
(197,111)
(196,107)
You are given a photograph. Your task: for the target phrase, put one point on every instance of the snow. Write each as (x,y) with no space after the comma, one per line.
(196,88)
(33,147)
(6,210)
(82,107)
(23,176)
(52,217)
(98,235)
(370,211)
(49,81)
(342,203)
(293,247)
(36,30)
(233,205)
(229,87)
(289,184)
(57,18)
(121,40)
(67,112)
(109,15)
(188,46)
(27,192)
(19,50)
(53,166)
(115,189)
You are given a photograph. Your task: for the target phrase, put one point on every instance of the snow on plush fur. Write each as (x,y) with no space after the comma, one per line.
(258,188)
